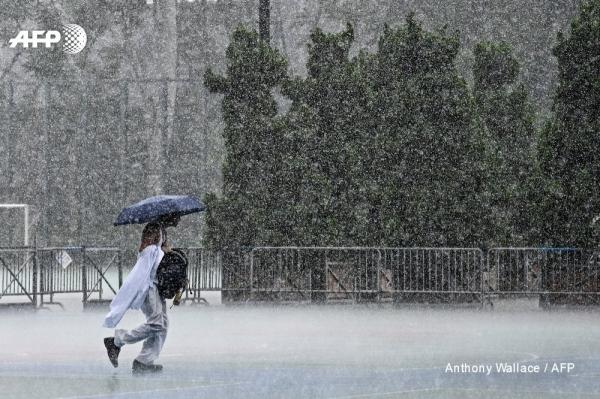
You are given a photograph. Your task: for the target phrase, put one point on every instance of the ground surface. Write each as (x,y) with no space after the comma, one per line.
(306,352)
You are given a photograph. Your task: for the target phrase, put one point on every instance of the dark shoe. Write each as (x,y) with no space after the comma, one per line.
(139,367)
(112,350)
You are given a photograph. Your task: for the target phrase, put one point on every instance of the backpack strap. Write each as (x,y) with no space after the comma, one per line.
(182,255)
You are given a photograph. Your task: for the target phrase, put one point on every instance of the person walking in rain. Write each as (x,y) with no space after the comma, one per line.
(139,291)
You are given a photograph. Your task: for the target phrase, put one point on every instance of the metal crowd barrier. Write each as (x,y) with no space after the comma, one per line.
(236,265)
(365,274)
(557,275)
(204,273)
(18,276)
(34,276)
(433,274)
(283,273)
(85,270)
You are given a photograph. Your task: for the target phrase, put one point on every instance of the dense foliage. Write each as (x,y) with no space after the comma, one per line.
(428,144)
(507,120)
(569,165)
(379,149)
(244,215)
(393,148)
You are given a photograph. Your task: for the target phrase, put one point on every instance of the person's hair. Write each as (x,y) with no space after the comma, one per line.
(151,233)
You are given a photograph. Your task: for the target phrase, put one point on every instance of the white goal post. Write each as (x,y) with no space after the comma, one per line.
(25,208)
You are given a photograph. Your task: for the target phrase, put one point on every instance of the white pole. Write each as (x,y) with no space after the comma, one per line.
(26,239)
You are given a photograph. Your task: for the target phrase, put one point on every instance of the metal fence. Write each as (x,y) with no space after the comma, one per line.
(85,270)
(204,273)
(285,273)
(557,275)
(18,276)
(34,276)
(365,274)
(236,267)
(434,273)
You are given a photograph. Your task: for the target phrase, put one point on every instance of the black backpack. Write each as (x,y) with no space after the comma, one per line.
(171,274)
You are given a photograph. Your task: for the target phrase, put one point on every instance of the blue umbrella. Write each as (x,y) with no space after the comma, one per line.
(153,208)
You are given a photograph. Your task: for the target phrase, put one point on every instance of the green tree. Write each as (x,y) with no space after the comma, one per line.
(243,216)
(429,191)
(568,148)
(507,117)
(329,125)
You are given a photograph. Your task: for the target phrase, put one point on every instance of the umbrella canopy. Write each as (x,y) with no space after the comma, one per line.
(153,208)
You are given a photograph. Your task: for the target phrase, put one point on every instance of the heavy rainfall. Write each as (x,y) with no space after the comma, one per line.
(299,199)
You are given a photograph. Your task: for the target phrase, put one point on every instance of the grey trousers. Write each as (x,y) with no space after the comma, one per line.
(153,332)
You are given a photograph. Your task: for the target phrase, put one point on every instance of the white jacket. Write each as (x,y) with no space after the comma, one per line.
(135,287)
